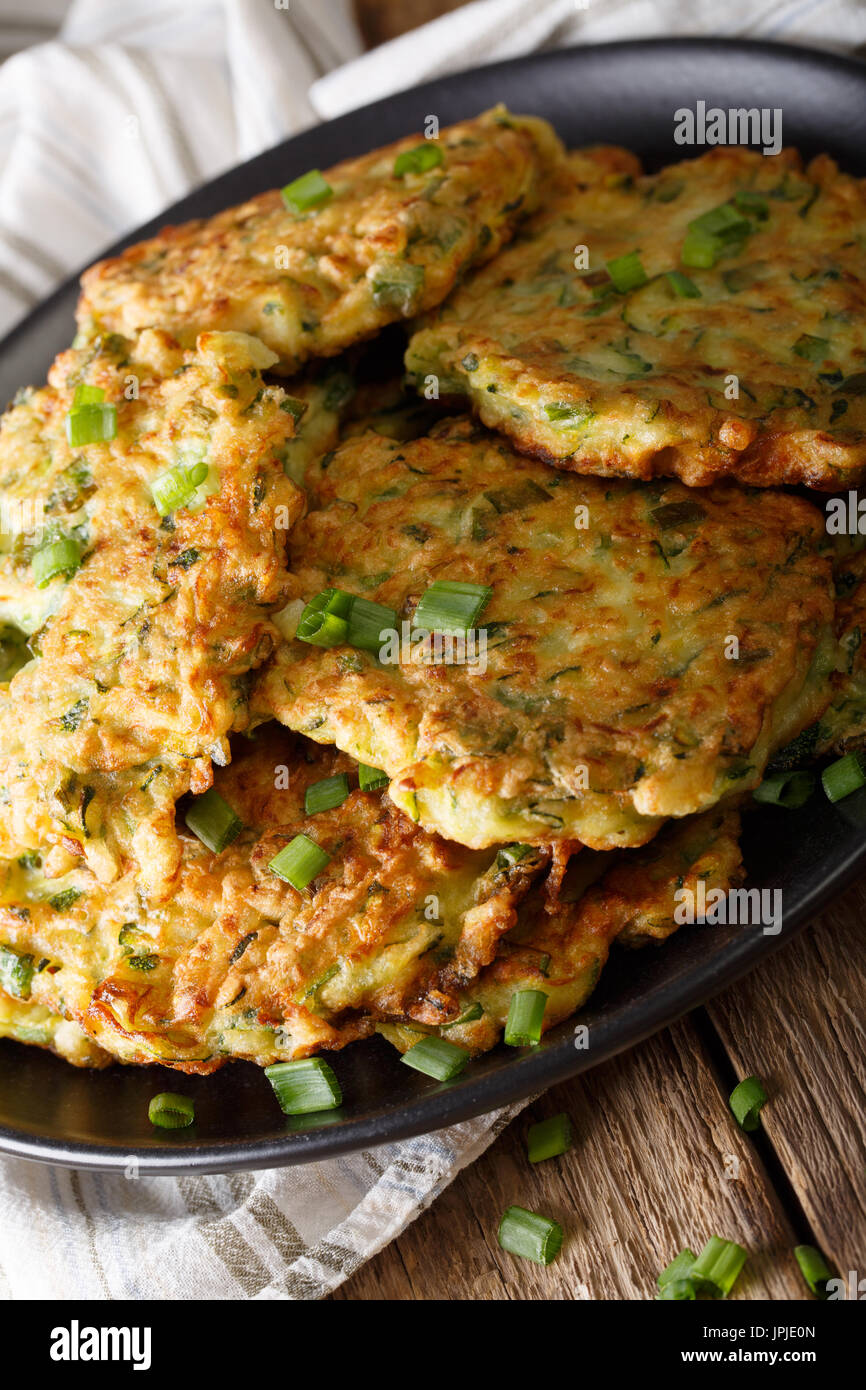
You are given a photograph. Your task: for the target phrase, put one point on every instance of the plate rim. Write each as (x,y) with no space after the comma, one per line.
(438,1107)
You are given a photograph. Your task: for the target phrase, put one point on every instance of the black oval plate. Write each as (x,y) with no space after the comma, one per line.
(617,93)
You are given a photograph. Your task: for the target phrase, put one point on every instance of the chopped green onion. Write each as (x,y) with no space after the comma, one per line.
(529,1235)
(746,1100)
(512,854)
(87,395)
(843,777)
(753,203)
(213,821)
(525,1014)
(326,794)
(814,1269)
(811,348)
(718,1265)
(91,424)
(299,862)
(16,972)
(701,250)
(176,487)
(311,190)
(398,286)
(677,1289)
(626,272)
(418,160)
(549,1138)
(682,286)
(171,1111)
(370,779)
(57,557)
(437,1058)
(324,620)
(789,789)
(305,1086)
(469,1016)
(714,232)
(367,622)
(679,1268)
(64,899)
(722,221)
(451,606)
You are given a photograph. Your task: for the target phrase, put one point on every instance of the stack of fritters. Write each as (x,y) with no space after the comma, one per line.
(657,629)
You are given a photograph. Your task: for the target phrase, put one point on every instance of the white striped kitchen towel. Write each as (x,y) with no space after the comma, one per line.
(102,124)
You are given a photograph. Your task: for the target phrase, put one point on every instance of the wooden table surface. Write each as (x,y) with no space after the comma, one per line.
(658,1161)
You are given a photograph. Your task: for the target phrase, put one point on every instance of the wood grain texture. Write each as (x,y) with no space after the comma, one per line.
(658,1163)
(799,1023)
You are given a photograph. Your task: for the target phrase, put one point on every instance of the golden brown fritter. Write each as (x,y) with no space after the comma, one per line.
(557,352)
(381,247)
(236,962)
(560,945)
(137,655)
(646,649)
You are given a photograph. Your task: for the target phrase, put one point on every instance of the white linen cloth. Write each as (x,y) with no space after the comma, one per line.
(102,124)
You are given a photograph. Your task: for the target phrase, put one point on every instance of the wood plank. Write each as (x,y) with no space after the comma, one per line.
(651,1170)
(799,1023)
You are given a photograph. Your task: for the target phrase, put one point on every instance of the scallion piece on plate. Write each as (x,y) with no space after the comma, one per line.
(326,794)
(213,821)
(171,1111)
(418,160)
(549,1138)
(529,1235)
(370,779)
(843,777)
(91,424)
(309,191)
(367,622)
(324,621)
(788,789)
(682,286)
(746,1100)
(177,486)
(437,1058)
(525,1015)
(304,1087)
(62,556)
(450,606)
(679,1268)
(716,1269)
(299,862)
(814,1269)
(626,272)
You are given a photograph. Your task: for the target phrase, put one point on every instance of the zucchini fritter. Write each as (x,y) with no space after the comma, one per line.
(560,947)
(237,963)
(646,650)
(637,381)
(379,248)
(137,655)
